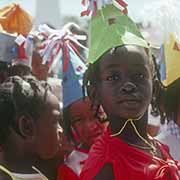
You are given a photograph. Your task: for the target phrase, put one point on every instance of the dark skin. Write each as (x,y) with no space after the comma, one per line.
(49,167)
(39,146)
(3,71)
(4,176)
(124,89)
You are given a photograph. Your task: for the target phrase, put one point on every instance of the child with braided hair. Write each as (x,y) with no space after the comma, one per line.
(119,78)
(29,128)
(81,122)
(169,107)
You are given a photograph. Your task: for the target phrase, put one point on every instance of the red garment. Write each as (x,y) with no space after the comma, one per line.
(65,173)
(128,162)
(72,167)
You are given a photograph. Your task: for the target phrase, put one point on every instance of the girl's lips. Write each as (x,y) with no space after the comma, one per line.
(129,98)
(129,101)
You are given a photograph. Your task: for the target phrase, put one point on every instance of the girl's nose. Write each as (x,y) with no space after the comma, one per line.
(129,87)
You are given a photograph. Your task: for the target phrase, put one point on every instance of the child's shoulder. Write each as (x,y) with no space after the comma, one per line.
(5,175)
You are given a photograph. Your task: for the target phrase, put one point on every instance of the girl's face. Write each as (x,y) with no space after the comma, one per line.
(84,123)
(125,85)
(48,131)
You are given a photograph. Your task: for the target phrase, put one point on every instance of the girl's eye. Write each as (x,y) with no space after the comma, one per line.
(140,76)
(113,78)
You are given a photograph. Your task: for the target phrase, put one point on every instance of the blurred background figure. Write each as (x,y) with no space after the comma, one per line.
(16,45)
(169,99)
(154,118)
(61,51)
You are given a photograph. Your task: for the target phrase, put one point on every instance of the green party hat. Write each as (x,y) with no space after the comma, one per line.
(111,27)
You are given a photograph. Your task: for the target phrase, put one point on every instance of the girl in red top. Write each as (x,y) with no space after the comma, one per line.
(82,127)
(120,79)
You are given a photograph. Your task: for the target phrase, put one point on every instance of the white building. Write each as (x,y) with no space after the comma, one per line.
(48,11)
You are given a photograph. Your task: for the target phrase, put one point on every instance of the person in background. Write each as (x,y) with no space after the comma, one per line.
(81,122)
(17,56)
(170,99)
(61,53)
(83,127)
(30,129)
(7,44)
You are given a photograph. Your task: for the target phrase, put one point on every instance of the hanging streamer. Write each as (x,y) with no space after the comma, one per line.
(94,5)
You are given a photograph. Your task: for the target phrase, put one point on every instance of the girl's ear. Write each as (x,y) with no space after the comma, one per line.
(26,127)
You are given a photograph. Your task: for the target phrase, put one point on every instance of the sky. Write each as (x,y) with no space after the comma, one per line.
(74,7)
(165,14)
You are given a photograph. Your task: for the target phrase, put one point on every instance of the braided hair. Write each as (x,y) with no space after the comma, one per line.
(158,91)
(171,101)
(165,100)
(20,96)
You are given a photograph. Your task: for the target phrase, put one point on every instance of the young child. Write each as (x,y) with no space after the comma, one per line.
(80,123)
(30,130)
(170,106)
(120,79)
(83,128)
(16,55)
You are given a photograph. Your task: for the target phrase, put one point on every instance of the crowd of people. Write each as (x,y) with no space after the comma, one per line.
(78,106)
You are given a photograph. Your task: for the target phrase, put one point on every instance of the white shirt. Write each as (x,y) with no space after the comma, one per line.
(171,138)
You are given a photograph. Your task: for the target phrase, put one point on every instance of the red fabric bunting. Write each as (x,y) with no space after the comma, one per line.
(57,48)
(122,3)
(95,8)
(22,52)
(66,57)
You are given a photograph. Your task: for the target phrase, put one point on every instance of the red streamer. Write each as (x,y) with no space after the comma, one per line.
(66,57)
(122,3)
(22,52)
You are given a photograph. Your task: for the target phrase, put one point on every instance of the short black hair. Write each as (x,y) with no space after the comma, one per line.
(18,70)
(20,96)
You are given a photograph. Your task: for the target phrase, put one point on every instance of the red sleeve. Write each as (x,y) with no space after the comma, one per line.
(65,173)
(94,163)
